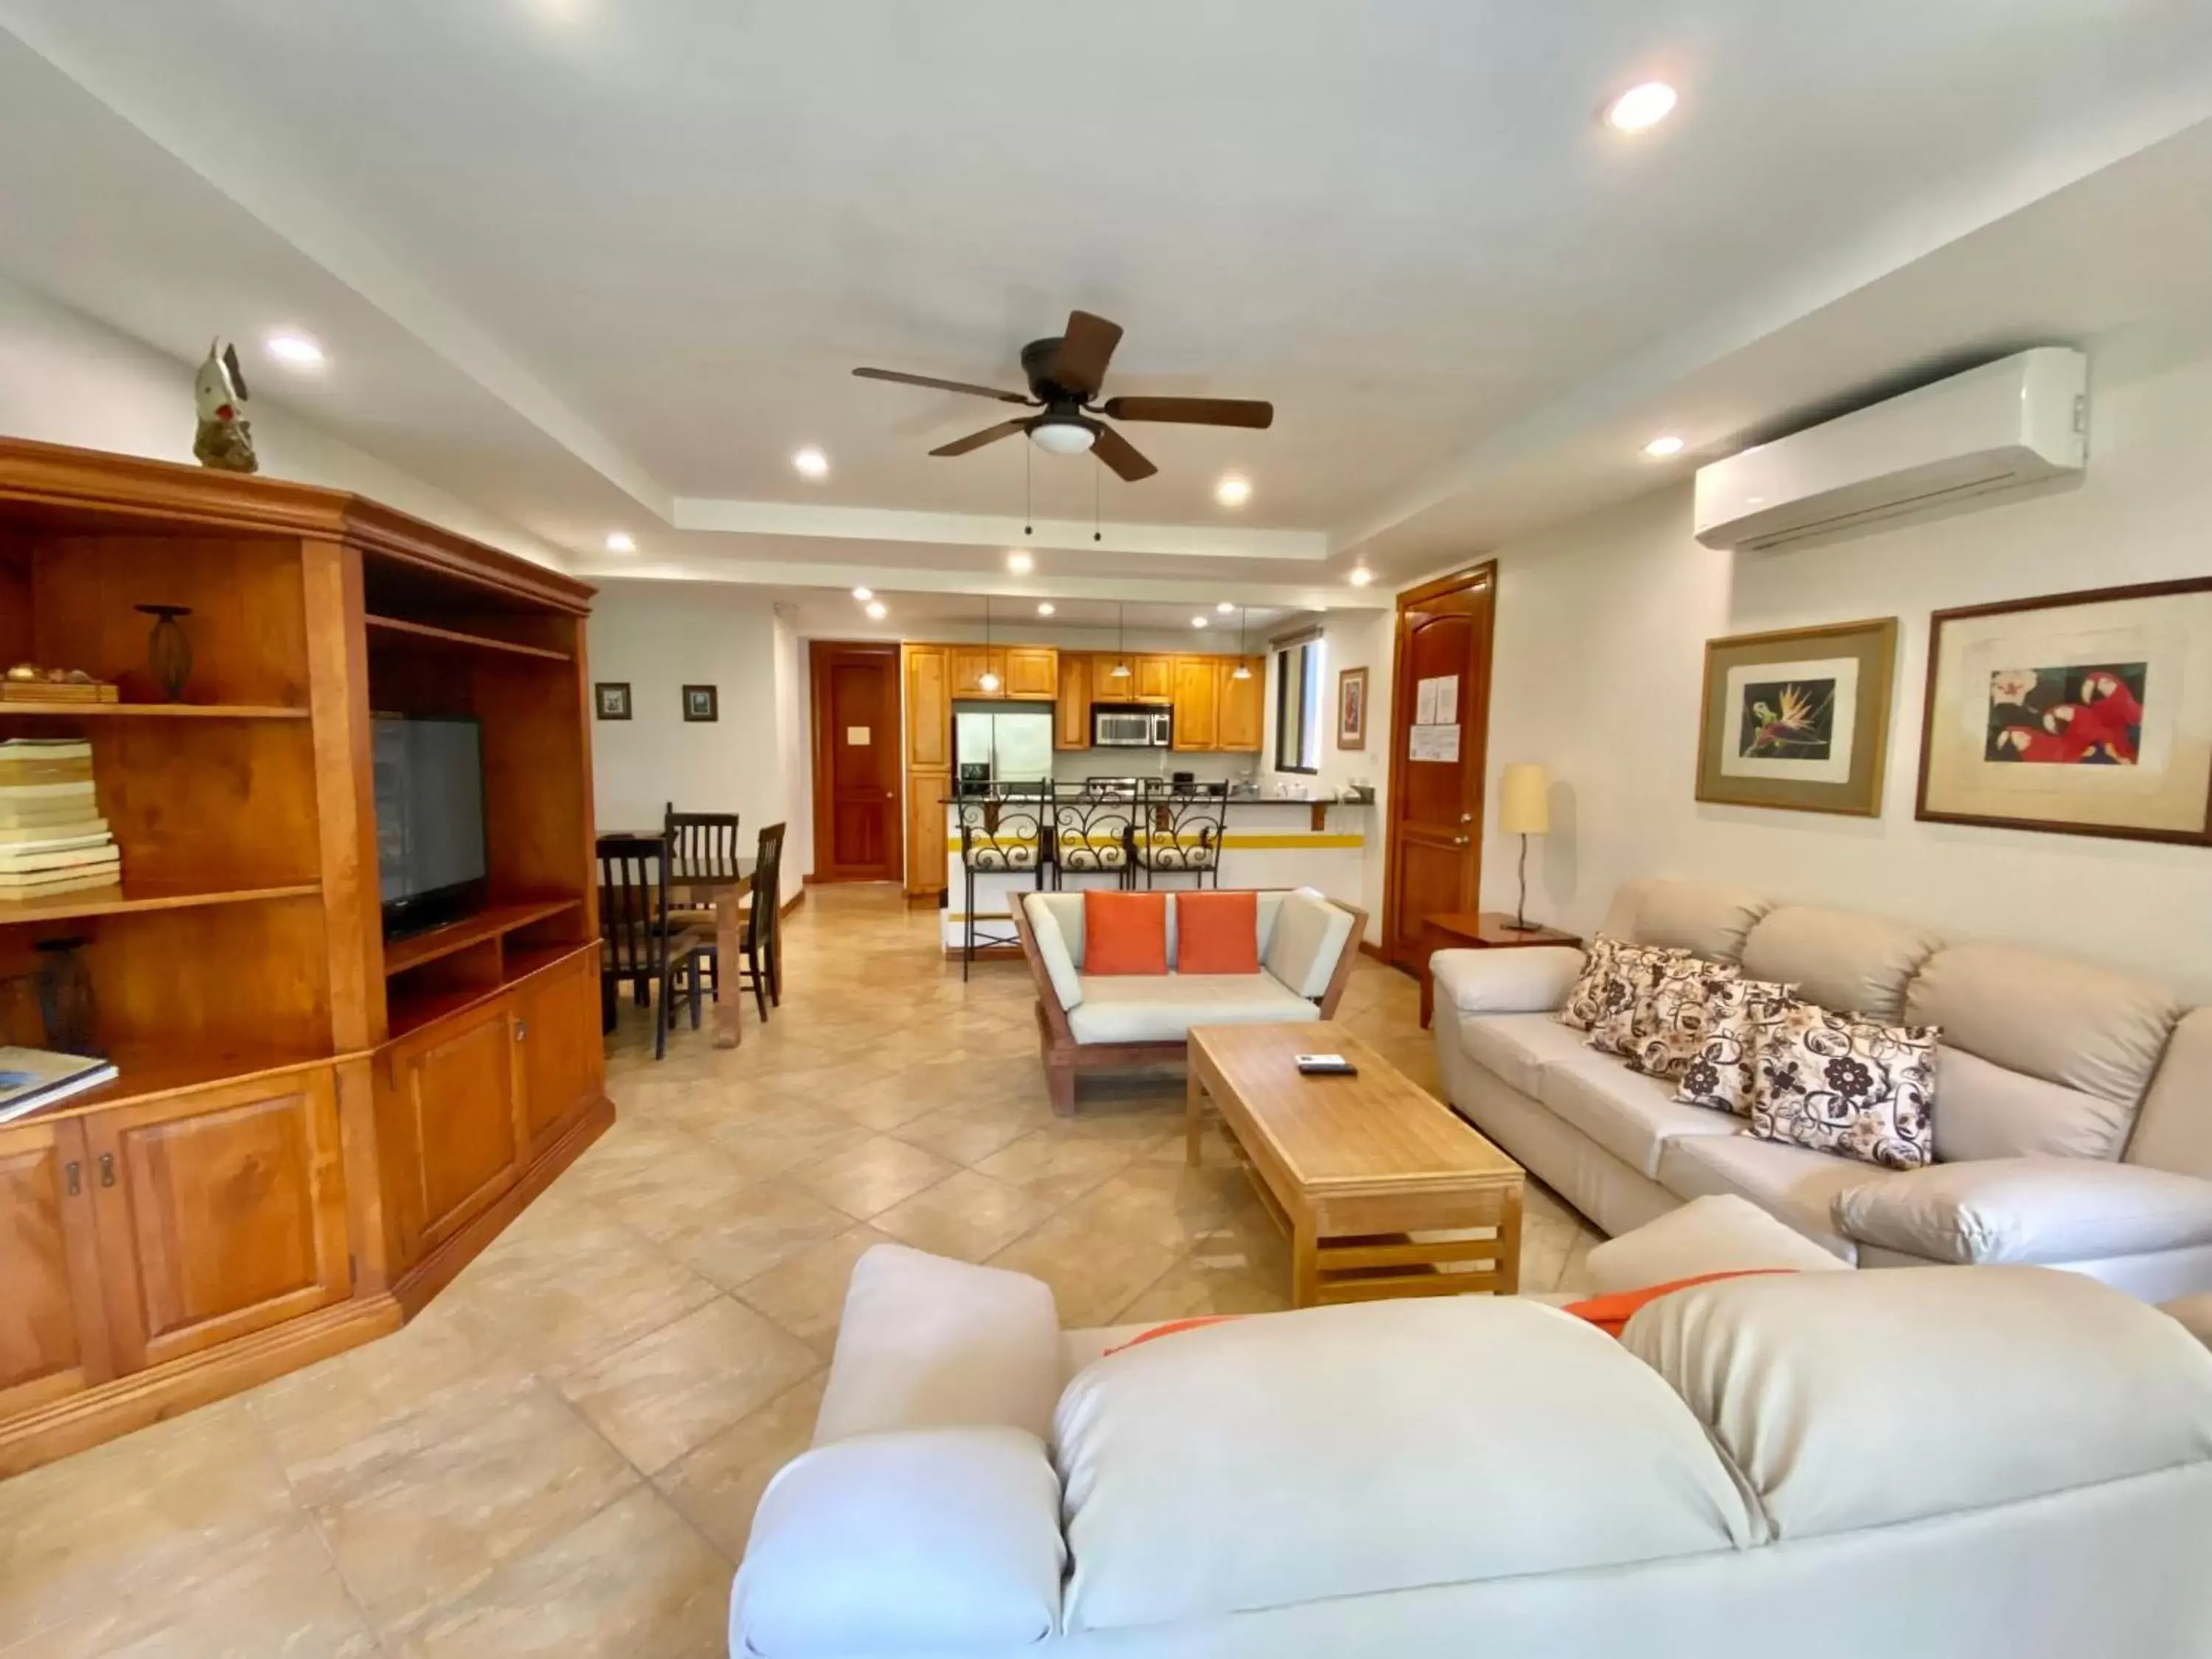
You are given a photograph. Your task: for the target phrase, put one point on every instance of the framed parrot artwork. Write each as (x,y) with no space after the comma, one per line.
(1798,720)
(2082,714)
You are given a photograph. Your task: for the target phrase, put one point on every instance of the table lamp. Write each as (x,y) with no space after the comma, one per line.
(1524,809)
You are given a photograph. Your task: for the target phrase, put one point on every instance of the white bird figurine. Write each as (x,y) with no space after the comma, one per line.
(224,439)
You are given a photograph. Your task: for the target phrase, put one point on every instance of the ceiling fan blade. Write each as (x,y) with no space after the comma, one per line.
(989,435)
(1192,411)
(942,386)
(1085,351)
(1118,452)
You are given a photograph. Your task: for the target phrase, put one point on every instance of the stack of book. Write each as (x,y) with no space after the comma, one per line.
(32,1077)
(53,838)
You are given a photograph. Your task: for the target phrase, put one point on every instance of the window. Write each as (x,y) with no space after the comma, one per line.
(1299,670)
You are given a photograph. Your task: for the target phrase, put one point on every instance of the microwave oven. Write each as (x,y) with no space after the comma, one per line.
(1130,726)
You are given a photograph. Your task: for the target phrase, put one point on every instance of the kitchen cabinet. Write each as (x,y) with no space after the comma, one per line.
(1197,702)
(969,663)
(53,1328)
(926,832)
(1155,679)
(1072,708)
(556,1033)
(1030,672)
(1242,704)
(928,708)
(1150,679)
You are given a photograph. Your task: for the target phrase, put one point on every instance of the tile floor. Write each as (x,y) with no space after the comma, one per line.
(562,1453)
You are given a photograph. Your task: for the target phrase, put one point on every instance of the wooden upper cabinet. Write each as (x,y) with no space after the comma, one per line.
(1070,727)
(1104,688)
(556,1033)
(1197,702)
(928,707)
(54,1331)
(221,1213)
(1242,704)
(971,663)
(1031,671)
(1155,679)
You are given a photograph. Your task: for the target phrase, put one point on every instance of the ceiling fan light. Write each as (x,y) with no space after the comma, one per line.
(1064,437)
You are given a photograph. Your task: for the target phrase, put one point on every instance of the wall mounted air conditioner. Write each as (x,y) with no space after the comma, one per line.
(1999,427)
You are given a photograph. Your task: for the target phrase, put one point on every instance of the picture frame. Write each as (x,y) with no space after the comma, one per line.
(702,704)
(610,700)
(1351,708)
(2081,714)
(1797,720)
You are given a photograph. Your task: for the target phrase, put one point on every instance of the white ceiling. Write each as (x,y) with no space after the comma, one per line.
(597,263)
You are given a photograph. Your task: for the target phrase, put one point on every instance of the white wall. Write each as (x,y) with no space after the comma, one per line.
(67,379)
(1351,639)
(1601,624)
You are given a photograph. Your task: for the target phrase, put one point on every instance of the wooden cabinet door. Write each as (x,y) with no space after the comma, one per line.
(455,1105)
(926,832)
(1104,688)
(928,708)
(1032,670)
(1242,704)
(1155,679)
(53,1330)
(971,663)
(221,1213)
(556,1033)
(1197,703)
(1071,713)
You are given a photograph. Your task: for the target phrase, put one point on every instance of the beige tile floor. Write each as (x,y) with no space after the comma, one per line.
(562,1453)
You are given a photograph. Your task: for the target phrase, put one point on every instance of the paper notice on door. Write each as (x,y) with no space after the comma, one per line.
(857,735)
(1432,743)
(1425,703)
(1435,701)
(1448,701)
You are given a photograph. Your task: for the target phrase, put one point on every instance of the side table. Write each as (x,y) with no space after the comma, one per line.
(1482,930)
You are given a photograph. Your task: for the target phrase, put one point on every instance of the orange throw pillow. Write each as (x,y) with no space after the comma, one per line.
(1125,932)
(1170,1328)
(1217,932)
(1610,1313)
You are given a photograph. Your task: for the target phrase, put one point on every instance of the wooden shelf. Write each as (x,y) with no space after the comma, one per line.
(449,639)
(412,1010)
(130,896)
(149,1071)
(490,922)
(206,711)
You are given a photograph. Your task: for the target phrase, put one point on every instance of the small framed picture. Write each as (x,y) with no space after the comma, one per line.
(612,699)
(1799,719)
(1351,708)
(700,703)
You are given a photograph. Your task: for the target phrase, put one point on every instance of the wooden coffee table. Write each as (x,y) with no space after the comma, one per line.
(1382,1189)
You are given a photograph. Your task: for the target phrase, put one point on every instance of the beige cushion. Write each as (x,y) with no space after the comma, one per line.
(1310,937)
(1620,915)
(1523,981)
(1631,1116)
(2194,1313)
(1052,945)
(2048,1210)
(1984,1111)
(1705,1236)
(2063,1021)
(1790,1183)
(1847,963)
(2175,1129)
(1350,1451)
(1705,920)
(1066,910)
(1518,1046)
(1143,1008)
(1865,1400)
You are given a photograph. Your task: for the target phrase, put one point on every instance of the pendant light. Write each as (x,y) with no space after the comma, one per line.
(1121,642)
(1244,669)
(989,681)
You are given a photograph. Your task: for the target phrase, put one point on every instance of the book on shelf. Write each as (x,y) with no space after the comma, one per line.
(16,888)
(32,1077)
(46,748)
(56,838)
(76,796)
(13,863)
(74,810)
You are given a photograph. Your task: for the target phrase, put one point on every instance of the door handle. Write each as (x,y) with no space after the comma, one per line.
(108,1169)
(73,1177)
(1459,841)
(1467,817)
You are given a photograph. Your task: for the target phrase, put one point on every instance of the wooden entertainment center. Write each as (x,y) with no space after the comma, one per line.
(312,1130)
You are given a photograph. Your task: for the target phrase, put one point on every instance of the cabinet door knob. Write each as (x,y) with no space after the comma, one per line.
(1459,841)
(73,1177)
(521,1029)
(108,1169)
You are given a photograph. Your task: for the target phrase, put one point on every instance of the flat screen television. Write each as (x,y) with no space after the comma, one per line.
(430,848)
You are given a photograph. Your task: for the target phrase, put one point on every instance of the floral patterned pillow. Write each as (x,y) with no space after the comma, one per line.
(1721,1074)
(1671,1024)
(1623,1008)
(1583,1001)
(1840,1083)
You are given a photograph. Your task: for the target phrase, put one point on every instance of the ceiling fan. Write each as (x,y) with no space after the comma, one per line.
(1064,373)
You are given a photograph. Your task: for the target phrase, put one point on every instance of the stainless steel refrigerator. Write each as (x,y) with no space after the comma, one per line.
(992,744)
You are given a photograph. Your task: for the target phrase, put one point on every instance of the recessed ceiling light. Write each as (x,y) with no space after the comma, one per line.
(878,611)
(1660,447)
(1198,622)
(619,541)
(297,350)
(1361,576)
(1020,562)
(1045,609)
(864,594)
(1641,106)
(811,463)
(1233,491)
(1226,609)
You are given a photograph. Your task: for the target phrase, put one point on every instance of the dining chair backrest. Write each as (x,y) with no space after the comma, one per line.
(703,844)
(633,898)
(768,874)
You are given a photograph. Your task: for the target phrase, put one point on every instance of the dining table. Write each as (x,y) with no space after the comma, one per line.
(722,890)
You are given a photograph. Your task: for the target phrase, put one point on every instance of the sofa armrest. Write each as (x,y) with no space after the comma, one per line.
(1051,942)
(934,1540)
(1532,980)
(2037,1210)
(1716,1234)
(1311,936)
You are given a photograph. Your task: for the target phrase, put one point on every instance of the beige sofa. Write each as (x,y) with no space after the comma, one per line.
(1307,947)
(2073,1109)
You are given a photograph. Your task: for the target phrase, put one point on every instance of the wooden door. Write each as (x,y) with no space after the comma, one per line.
(969,663)
(857,832)
(220,1214)
(450,1117)
(1197,687)
(556,1033)
(1032,671)
(53,1328)
(928,708)
(1155,679)
(1434,840)
(1242,718)
(1070,727)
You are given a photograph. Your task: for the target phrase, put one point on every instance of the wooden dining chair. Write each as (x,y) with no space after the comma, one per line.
(640,942)
(703,844)
(762,968)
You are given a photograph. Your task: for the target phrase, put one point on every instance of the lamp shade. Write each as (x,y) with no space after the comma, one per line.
(1524,806)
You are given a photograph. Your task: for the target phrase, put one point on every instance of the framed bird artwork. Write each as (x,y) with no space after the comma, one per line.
(2082,714)
(1798,720)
